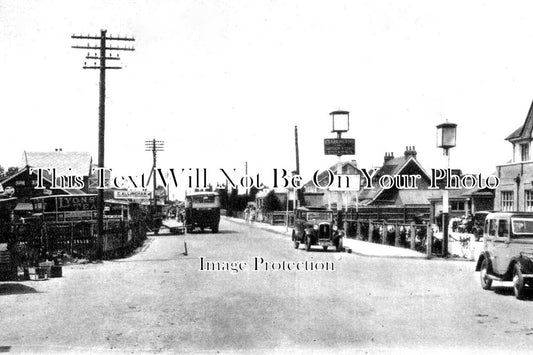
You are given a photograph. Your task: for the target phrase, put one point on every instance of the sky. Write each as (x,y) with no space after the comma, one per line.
(225,82)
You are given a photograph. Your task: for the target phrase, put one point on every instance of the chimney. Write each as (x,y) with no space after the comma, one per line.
(388,156)
(410,152)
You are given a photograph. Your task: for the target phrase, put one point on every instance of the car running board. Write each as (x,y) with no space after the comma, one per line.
(494,278)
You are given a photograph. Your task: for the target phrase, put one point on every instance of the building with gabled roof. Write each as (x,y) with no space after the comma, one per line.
(397,166)
(316,196)
(515,192)
(65,163)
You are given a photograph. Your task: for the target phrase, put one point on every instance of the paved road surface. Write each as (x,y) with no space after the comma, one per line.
(159,301)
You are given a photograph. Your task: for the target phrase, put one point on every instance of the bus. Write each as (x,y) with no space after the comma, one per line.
(202,210)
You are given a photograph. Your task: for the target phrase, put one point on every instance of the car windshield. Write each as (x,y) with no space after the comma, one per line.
(523,226)
(323,216)
(203,199)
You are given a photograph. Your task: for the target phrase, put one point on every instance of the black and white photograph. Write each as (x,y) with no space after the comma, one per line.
(266,177)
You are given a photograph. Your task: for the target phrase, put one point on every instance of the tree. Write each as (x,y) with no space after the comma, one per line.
(272,202)
(12,170)
(223,196)
(251,194)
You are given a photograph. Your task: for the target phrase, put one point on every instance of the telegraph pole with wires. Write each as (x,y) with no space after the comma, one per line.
(103,44)
(154,146)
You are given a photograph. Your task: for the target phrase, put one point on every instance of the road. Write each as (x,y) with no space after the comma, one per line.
(159,301)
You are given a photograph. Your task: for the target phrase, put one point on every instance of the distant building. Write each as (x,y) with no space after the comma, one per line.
(406,165)
(281,193)
(464,202)
(515,192)
(316,196)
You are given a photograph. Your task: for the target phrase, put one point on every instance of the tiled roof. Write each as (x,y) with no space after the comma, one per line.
(417,197)
(524,131)
(78,162)
(391,167)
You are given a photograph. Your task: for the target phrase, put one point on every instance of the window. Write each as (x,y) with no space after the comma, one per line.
(457,205)
(507,201)
(492,227)
(20,183)
(524,151)
(503,228)
(529,201)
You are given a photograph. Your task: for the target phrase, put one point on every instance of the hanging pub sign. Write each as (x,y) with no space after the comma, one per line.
(339,146)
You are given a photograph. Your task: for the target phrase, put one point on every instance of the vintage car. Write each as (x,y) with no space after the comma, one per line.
(316,226)
(507,251)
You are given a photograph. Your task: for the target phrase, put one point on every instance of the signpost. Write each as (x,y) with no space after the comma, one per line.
(339,146)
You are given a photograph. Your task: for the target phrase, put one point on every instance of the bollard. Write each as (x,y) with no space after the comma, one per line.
(396,235)
(384,234)
(185,246)
(370,231)
(412,231)
(429,241)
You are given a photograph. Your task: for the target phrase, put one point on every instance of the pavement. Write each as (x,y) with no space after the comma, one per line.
(357,247)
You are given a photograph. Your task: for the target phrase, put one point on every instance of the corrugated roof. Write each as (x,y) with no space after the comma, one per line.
(524,131)
(78,162)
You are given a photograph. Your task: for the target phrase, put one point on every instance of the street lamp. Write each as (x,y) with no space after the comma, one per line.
(446,136)
(340,122)
(446,139)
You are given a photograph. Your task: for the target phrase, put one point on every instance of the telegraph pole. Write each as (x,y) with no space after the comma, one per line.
(154,146)
(102,46)
(299,191)
(246,173)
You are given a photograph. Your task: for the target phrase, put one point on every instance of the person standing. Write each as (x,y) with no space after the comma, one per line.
(252,214)
(247,214)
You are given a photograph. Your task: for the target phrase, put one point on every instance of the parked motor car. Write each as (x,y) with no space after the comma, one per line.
(316,226)
(507,251)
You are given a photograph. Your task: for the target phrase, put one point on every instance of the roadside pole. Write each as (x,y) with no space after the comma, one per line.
(102,56)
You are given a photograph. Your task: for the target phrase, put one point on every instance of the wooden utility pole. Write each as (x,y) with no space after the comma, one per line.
(102,56)
(154,146)
(246,173)
(299,191)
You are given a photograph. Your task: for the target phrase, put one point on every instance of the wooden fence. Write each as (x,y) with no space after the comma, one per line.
(415,236)
(405,227)
(78,239)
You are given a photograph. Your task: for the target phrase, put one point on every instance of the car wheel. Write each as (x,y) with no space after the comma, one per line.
(214,229)
(307,244)
(486,283)
(325,247)
(518,282)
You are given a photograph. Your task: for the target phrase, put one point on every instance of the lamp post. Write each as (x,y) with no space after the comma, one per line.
(446,138)
(340,121)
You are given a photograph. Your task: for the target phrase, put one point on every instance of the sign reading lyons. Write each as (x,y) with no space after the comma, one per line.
(132,195)
(339,146)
